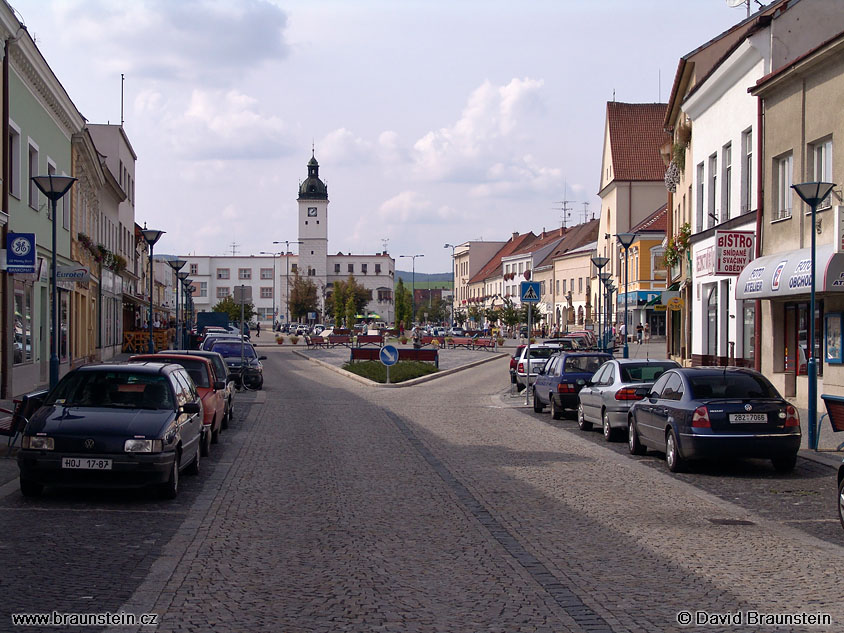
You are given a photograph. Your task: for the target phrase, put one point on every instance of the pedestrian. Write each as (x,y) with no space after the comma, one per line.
(417,337)
(623,331)
(639,331)
(258,330)
(647,332)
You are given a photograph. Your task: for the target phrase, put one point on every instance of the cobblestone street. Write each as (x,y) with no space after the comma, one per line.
(334,506)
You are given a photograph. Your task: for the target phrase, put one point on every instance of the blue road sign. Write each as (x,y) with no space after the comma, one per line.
(530,292)
(389,355)
(20,252)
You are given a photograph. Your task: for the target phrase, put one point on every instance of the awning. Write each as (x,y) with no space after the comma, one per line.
(789,274)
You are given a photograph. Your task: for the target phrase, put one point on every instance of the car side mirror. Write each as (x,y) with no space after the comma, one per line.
(643,392)
(219,385)
(582,382)
(262,358)
(191,407)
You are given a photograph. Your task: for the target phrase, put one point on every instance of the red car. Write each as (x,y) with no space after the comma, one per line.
(211,391)
(513,360)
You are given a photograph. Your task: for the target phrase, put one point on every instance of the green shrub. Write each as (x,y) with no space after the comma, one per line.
(377,371)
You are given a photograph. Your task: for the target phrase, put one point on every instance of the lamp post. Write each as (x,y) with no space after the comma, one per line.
(599,263)
(54,188)
(177,265)
(603,277)
(626,239)
(188,289)
(412,285)
(287,244)
(453,289)
(182,338)
(151,236)
(812,193)
(272,324)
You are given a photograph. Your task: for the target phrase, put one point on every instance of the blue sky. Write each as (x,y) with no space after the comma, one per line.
(433,121)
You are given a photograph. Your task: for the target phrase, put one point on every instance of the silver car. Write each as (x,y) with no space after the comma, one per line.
(608,396)
(539,355)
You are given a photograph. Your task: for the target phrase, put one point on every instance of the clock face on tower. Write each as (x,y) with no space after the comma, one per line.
(312,212)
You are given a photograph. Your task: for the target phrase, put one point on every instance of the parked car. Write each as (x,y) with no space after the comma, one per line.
(565,342)
(251,372)
(210,390)
(539,355)
(841,494)
(514,359)
(457,331)
(701,412)
(590,336)
(221,372)
(212,338)
(607,397)
(114,425)
(563,376)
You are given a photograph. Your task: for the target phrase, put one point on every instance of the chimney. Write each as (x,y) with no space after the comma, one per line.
(515,234)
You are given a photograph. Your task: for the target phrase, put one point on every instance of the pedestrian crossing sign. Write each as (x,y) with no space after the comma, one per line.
(530,292)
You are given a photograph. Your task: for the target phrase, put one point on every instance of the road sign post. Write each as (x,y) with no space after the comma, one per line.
(389,356)
(530,293)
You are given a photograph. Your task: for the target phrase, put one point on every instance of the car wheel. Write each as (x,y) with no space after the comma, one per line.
(205,446)
(841,501)
(556,414)
(633,443)
(784,464)
(519,387)
(170,489)
(215,433)
(538,407)
(582,424)
(193,469)
(609,432)
(31,488)
(676,464)
(225,423)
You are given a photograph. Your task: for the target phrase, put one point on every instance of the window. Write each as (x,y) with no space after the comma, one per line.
(266,293)
(580,285)
(203,288)
(266,273)
(14,161)
(337,268)
(222,273)
(23,323)
(194,269)
(747,171)
(564,286)
(33,171)
(294,267)
(363,268)
(748,329)
(558,286)
(783,174)
(244,273)
(223,292)
(700,187)
(712,210)
(351,268)
(377,269)
(726,180)
(822,167)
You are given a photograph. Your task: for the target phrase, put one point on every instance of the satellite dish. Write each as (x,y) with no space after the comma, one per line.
(735,3)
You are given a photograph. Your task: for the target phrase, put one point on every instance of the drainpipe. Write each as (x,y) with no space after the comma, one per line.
(760,191)
(6,328)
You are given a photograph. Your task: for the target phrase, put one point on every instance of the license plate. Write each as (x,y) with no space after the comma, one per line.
(748,417)
(86,463)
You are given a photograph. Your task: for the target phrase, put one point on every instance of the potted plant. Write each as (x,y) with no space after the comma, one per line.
(294,340)
(500,341)
(403,339)
(279,339)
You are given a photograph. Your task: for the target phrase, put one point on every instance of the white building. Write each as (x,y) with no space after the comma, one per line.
(270,277)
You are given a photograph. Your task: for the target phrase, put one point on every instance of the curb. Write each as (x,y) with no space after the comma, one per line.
(406,383)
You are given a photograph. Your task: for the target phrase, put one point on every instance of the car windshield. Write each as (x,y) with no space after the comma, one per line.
(232,349)
(732,385)
(117,389)
(543,352)
(196,370)
(584,364)
(644,372)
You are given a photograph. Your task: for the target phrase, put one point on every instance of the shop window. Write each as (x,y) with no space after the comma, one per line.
(23,323)
(748,325)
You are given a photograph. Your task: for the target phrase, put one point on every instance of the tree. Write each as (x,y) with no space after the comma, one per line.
(403,304)
(303,297)
(231,308)
(437,311)
(492,315)
(338,302)
(475,315)
(351,311)
(509,314)
(460,317)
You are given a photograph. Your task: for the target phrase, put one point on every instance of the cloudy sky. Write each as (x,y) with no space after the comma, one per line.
(434,121)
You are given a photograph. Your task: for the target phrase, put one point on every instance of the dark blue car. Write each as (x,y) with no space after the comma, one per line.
(563,376)
(114,425)
(715,412)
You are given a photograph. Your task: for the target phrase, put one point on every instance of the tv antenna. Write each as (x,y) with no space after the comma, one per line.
(737,3)
(565,212)
(586,213)
(384,241)
(234,246)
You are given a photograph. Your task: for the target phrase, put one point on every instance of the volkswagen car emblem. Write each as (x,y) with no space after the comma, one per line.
(89,444)
(748,407)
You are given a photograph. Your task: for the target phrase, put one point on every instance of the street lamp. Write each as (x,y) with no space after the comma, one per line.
(453,289)
(626,239)
(813,193)
(413,286)
(54,188)
(287,244)
(599,263)
(605,313)
(151,236)
(189,289)
(183,338)
(177,265)
(272,324)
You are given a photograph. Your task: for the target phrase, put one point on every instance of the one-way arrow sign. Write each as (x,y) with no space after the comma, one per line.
(530,292)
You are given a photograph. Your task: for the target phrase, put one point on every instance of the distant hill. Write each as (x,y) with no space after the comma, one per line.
(407,276)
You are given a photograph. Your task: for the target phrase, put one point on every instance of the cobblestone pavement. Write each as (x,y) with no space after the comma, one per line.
(336,506)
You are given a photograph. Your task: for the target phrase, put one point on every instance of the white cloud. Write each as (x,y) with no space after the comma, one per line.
(342,147)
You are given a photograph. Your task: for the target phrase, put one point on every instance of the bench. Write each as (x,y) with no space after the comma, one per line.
(339,339)
(315,341)
(370,339)
(485,343)
(420,355)
(12,423)
(429,340)
(462,341)
(835,413)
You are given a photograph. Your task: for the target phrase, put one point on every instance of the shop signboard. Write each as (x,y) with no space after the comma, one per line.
(733,251)
(705,261)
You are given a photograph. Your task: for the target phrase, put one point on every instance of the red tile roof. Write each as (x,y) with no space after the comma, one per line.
(513,244)
(636,134)
(656,222)
(577,236)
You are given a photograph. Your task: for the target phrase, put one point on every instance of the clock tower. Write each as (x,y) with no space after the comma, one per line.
(313,227)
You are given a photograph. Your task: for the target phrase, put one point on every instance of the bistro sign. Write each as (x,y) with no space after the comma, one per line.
(733,251)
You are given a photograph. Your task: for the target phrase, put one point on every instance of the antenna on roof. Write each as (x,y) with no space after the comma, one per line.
(586,213)
(122,81)
(384,241)
(234,246)
(737,3)
(565,213)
